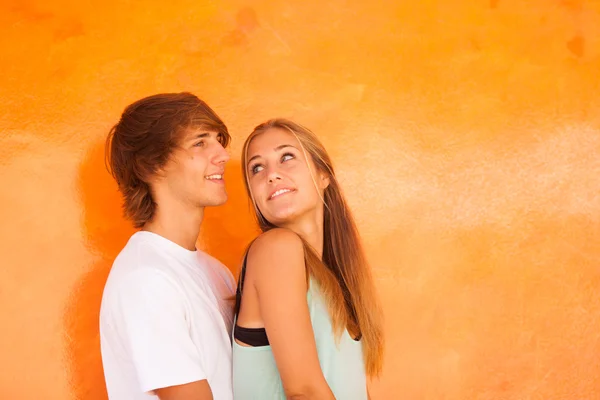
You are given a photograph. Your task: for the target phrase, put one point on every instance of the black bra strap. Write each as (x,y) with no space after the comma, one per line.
(238,292)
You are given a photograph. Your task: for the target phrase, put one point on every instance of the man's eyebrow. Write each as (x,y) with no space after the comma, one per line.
(199,136)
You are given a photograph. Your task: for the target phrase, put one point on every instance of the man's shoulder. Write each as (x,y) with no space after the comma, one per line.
(216,267)
(138,263)
(209,260)
(137,254)
(135,285)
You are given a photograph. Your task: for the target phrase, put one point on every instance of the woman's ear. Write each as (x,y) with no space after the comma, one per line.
(324,180)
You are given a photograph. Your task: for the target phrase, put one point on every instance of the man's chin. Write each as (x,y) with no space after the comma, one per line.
(217,201)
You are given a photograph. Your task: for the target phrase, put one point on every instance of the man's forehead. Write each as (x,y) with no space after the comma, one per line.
(199,131)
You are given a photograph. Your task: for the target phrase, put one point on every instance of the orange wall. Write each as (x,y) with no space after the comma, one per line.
(466,134)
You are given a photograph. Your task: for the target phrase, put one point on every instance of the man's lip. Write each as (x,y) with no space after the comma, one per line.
(217,181)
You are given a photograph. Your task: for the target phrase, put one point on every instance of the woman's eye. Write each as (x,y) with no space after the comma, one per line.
(286,157)
(256,169)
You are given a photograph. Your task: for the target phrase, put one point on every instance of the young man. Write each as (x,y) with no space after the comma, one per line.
(165,317)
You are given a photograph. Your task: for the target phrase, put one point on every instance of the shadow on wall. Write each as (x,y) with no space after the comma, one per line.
(225,233)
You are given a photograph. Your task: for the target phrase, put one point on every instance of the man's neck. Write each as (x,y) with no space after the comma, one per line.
(179,226)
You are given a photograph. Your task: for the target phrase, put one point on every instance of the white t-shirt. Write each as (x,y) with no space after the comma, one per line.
(165,320)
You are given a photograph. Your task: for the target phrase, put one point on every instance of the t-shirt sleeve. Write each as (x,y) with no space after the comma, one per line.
(155,331)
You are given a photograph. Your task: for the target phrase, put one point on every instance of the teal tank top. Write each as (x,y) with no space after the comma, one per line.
(255,374)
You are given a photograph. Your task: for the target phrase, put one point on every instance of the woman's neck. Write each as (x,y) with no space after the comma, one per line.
(311,230)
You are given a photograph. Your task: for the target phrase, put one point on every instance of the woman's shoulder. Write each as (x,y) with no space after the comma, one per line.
(277,238)
(275,248)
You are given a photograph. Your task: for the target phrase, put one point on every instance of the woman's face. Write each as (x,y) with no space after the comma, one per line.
(280,180)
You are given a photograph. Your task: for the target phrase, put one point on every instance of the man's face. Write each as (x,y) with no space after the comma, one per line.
(194,173)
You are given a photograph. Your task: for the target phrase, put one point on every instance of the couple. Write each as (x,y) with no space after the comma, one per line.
(306,322)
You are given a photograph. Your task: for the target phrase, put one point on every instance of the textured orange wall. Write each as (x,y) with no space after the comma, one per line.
(466,134)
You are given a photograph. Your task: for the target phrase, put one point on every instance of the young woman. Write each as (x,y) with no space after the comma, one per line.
(308,322)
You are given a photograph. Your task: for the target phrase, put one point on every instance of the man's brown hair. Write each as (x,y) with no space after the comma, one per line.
(141,143)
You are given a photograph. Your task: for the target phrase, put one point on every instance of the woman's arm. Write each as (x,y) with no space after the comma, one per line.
(276,269)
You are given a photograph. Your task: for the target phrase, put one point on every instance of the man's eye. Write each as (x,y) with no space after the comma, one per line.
(200,144)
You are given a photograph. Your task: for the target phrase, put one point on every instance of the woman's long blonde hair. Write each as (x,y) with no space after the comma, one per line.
(343,273)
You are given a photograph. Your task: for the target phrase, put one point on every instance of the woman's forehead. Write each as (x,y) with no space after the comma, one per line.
(270,140)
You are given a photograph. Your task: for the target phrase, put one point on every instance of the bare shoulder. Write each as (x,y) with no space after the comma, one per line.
(276,250)
(277,238)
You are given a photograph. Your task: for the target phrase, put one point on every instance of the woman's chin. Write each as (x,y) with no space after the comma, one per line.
(283,217)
